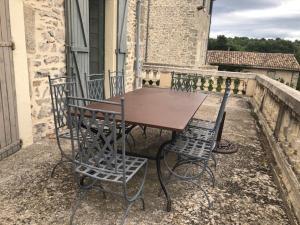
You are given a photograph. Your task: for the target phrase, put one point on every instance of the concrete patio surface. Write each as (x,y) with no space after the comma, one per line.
(245,192)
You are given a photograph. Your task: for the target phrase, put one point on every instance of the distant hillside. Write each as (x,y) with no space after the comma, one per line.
(255,45)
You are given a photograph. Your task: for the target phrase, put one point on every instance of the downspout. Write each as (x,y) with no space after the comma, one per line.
(209,28)
(147,31)
(138,66)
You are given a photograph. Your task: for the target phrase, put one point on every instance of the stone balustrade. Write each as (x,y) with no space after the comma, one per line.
(209,80)
(277,107)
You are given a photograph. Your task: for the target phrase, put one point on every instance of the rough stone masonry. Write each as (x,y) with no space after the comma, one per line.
(172,32)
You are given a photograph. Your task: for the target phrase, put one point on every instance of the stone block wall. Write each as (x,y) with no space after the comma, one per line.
(45,39)
(278,109)
(177,32)
(131,41)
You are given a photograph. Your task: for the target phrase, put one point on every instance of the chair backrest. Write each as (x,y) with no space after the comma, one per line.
(97,131)
(222,109)
(58,88)
(95,86)
(116,83)
(184,82)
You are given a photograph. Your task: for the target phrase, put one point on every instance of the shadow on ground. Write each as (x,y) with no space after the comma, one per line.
(245,192)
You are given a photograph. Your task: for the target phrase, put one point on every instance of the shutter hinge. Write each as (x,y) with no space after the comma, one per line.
(8,44)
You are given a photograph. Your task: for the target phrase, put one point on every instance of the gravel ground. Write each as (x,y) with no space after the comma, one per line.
(245,192)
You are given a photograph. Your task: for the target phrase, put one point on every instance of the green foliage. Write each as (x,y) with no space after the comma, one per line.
(210,85)
(203,80)
(236,85)
(255,45)
(219,84)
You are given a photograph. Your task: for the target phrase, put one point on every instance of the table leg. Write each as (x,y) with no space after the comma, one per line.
(159,156)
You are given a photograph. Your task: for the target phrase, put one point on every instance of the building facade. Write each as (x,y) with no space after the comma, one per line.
(279,66)
(46,33)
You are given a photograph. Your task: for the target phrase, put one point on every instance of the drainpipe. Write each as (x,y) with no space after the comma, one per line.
(138,66)
(147,30)
(209,28)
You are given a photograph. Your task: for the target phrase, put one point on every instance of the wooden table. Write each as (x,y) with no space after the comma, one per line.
(158,108)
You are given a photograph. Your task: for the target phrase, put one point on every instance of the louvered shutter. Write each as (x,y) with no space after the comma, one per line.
(77,12)
(9,131)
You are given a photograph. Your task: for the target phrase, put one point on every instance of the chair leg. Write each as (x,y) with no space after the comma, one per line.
(128,206)
(143,203)
(205,193)
(61,161)
(80,195)
(211,175)
(145,131)
(213,157)
(133,140)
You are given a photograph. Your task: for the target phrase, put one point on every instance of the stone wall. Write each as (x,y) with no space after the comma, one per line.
(278,110)
(45,39)
(177,32)
(289,78)
(131,41)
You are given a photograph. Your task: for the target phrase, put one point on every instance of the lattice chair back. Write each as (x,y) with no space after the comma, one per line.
(58,88)
(184,82)
(97,132)
(222,109)
(116,83)
(95,86)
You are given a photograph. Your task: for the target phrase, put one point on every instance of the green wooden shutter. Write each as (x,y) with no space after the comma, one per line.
(122,34)
(77,12)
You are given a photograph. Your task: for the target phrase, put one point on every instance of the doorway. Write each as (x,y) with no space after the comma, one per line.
(96,35)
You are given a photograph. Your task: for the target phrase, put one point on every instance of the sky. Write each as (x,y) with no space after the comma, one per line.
(256,18)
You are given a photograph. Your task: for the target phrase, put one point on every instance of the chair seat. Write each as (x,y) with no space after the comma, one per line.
(199,133)
(204,124)
(192,148)
(102,171)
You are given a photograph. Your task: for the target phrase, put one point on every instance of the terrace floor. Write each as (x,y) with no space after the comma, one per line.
(245,192)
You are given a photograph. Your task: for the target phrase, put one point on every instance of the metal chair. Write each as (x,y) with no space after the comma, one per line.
(116,83)
(190,152)
(98,156)
(184,82)
(117,88)
(58,88)
(205,130)
(95,86)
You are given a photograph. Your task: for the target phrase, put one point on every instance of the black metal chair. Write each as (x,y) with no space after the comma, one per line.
(95,86)
(192,155)
(58,88)
(98,159)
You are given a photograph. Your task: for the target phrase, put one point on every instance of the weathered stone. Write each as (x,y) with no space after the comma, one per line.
(36,83)
(51,60)
(37,63)
(29,17)
(42,73)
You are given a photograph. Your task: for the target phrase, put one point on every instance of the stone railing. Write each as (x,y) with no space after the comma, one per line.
(209,80)
(278,109)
